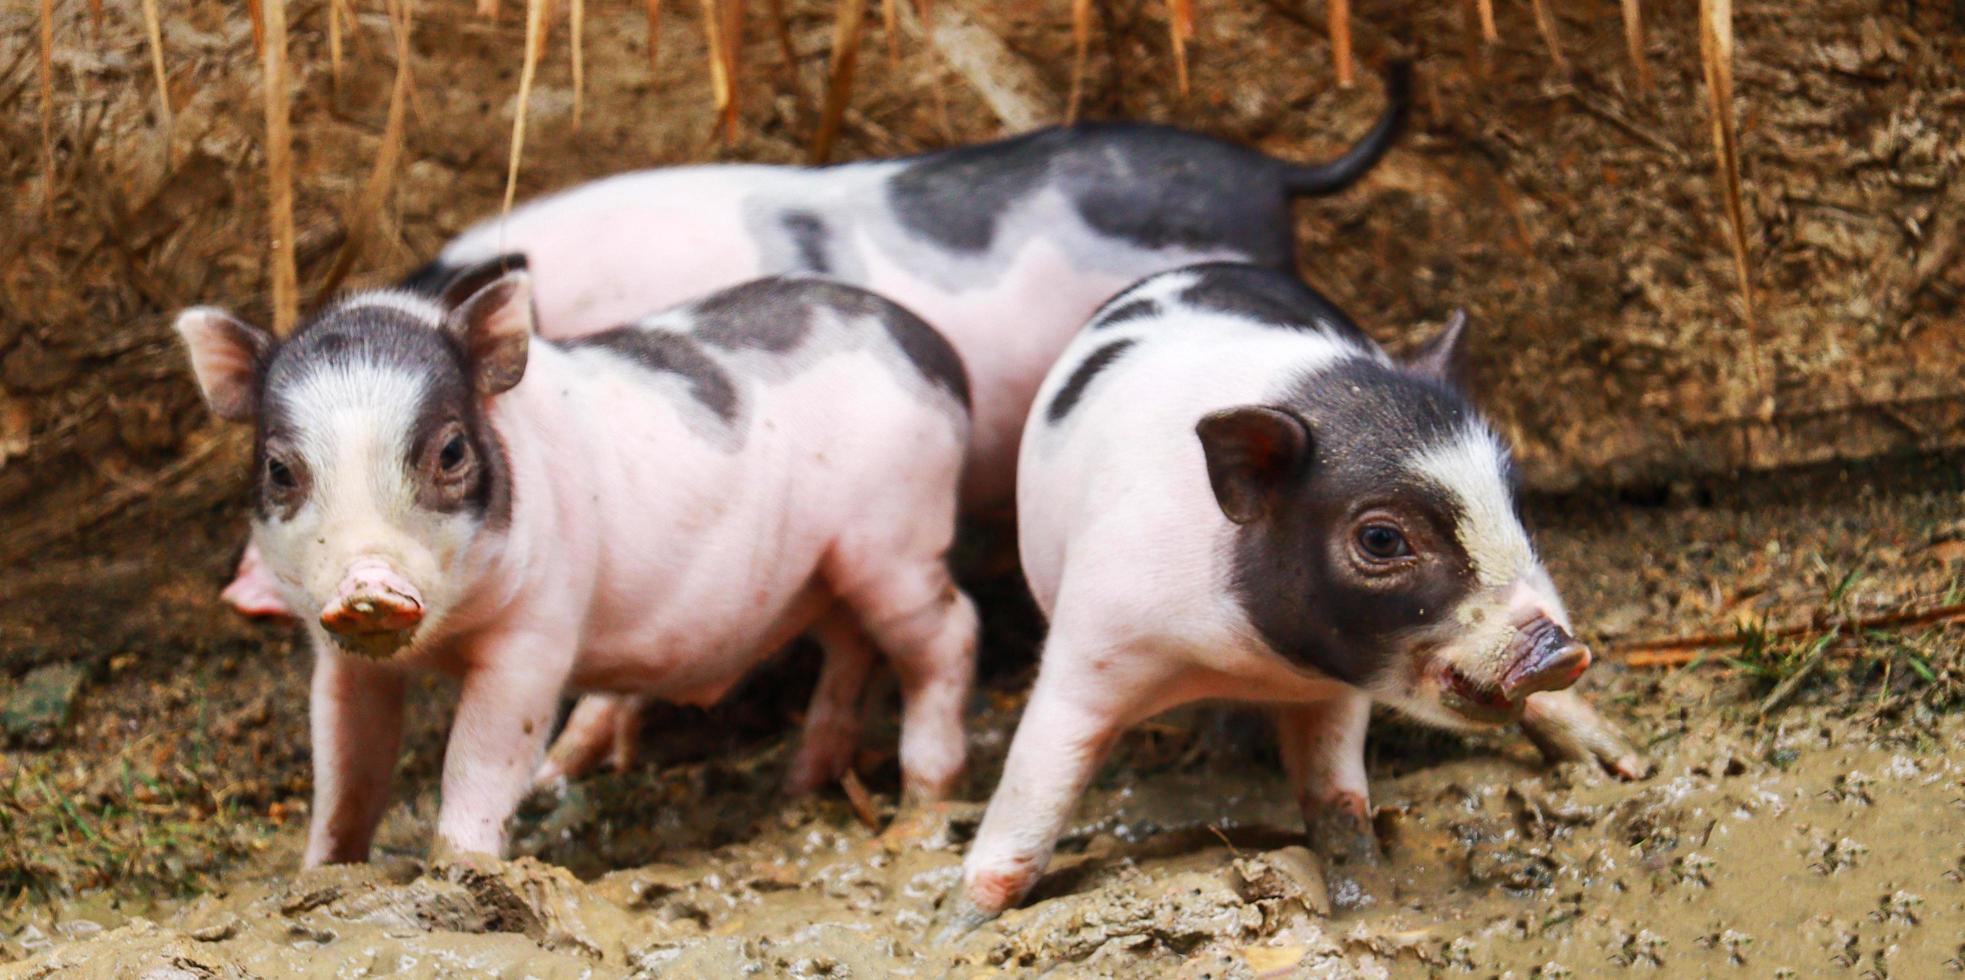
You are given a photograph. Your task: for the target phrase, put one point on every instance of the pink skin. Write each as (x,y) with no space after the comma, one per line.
(638,557)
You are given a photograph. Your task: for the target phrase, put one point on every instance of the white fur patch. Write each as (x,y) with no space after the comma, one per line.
(1469,467)
(416,305)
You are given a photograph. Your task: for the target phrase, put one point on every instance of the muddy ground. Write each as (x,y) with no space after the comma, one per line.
(1815,834)
(154,780)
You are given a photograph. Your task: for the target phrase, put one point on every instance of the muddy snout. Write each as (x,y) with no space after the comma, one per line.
(1542,657)
(375,610)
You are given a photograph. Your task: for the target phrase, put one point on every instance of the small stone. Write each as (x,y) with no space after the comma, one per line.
(40,704)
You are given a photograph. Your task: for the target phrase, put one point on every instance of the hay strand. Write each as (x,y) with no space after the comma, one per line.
(1634,40)
(535,15)
(153,28)
(890,25)
(95,19)
(47,73)
(279,167)
(849,25)
(576,13)
(1716,52)
(723,65)
(1180,26)
(254,9)
(1545,23)
(488,9)
(1339,14)
(382,176)
(1486,10)
(1081,44)
(334,45)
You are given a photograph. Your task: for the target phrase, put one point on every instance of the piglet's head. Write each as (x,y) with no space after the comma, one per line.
(375,468)
(1376,539)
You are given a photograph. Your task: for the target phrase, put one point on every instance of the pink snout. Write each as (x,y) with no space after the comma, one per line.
(374,611)
(1542,657)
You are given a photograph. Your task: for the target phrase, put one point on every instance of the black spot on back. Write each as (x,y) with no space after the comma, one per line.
(930,352)
(1132,309)
(1154,186)
(772,314)
(668,352)
(1268,296)
(1081,376)
(444,282)
(810,236)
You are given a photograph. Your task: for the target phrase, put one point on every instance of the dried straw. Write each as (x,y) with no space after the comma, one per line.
(849,25)
(1634,40)
(279,167)
(535,15)
(1180,26)
(723,63)
(1081,42)
(1486,11)
(1546,24)
(334,44)
(258,15)
(95,19)
(488,9)
(382,177)
(153,28)
(576,13)
(890,25)
(1339,14)
(1716,51)
(47,71)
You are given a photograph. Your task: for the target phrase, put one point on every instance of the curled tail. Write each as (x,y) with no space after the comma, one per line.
(1330,177)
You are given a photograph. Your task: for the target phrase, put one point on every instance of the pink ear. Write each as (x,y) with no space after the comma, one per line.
(226,354)
(495,325)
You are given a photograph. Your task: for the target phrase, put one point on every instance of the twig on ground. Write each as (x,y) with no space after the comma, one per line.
(1683,650)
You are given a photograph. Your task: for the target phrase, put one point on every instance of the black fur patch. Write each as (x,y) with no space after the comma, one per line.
(672,353)
(1081,376)
(1265,295)
(1153,186)
(811,237)
(450,284)
(1366,421)
(930,352)
(1133,309)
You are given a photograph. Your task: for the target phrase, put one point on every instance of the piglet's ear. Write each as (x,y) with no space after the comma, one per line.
(1251,451)
(495,324)
(226,355)
(1443,357)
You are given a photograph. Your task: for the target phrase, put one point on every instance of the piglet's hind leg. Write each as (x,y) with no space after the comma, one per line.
(603,728)
(832,723)
(927,628)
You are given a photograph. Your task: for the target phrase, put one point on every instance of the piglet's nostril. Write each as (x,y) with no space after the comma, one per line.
(1543,657)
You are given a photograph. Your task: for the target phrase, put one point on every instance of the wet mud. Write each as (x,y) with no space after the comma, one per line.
(1817,834)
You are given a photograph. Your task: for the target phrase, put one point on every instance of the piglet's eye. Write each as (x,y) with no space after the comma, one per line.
(1382,542)
(279,475)
(451,457)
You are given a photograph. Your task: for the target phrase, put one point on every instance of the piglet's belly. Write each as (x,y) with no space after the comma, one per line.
(691,655)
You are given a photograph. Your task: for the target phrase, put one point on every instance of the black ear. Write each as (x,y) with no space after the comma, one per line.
(467,282)
(1251,451)
(495,326)
(226,355)
(1443,356)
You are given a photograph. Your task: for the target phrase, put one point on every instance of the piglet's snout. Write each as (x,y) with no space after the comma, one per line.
(375,609)
(1542,657)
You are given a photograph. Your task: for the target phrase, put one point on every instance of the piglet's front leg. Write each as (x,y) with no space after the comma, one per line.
(504,715)
(356,717)
(1323,751)
(1567,729)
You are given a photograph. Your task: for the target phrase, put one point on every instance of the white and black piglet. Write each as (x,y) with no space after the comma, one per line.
(1228,491)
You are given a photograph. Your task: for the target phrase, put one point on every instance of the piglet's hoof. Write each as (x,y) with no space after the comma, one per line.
(958,918)
(1354,871)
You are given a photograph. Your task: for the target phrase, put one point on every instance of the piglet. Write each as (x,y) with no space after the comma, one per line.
(1228,491)
(651,509)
